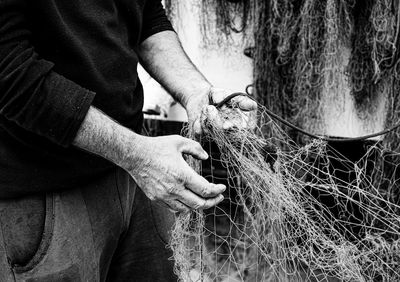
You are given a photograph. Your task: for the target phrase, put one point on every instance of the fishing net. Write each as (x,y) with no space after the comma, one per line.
(293,213)
(298,208)
(221,20)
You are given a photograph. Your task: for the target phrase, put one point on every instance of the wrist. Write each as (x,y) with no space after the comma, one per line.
(197,98)
(130,148)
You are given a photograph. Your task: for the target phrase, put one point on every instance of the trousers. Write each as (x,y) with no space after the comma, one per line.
(106,230)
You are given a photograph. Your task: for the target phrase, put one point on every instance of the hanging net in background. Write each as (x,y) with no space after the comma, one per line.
(293,213)
(298,47)
(300,209)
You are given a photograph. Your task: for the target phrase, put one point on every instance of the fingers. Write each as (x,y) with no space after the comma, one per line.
(237,119)
(209,116)
(193,148)
(188,201)
(244,103)
(201,186)
(177,206)
(212,116)
(195,202)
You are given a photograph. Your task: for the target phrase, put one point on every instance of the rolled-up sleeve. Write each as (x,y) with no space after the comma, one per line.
(154,19)
(31,94)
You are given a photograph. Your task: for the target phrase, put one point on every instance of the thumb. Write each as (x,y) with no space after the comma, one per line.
(193,148)
(245,103)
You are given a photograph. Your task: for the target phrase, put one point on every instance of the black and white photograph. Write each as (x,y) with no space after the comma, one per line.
(199,140)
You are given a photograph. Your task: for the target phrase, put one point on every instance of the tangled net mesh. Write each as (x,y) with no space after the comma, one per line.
(299,209)
(293,213)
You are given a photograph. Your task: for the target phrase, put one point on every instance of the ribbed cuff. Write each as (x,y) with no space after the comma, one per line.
(77,120)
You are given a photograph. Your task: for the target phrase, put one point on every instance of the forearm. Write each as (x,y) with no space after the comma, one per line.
(163,57)
(102,136)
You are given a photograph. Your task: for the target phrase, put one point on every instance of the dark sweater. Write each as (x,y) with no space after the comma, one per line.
(58,57)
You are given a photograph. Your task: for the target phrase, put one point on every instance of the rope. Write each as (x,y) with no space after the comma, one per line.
(227,101)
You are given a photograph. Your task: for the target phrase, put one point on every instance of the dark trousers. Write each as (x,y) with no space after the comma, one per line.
(107,230)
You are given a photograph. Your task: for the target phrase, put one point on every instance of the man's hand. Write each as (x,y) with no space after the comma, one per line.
(156,163)
(164,59)
(163,174)
(200,112)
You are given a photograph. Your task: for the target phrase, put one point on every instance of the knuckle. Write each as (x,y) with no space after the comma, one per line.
(205,191)
(175,139)
(171,189)
(162,196)
(184,177)
(205,204)
(188,179)
(199,204)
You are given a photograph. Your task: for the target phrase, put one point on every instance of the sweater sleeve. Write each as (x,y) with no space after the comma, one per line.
(32,95)
(154,19)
